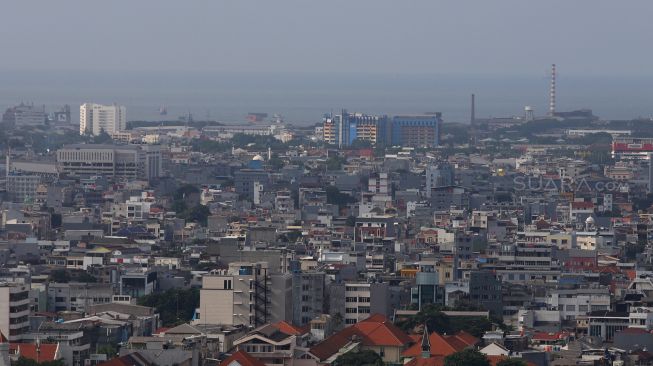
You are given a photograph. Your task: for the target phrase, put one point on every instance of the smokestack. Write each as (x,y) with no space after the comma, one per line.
(552,92)
(473,114)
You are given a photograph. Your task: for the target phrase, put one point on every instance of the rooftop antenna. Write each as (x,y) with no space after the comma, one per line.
(552,91)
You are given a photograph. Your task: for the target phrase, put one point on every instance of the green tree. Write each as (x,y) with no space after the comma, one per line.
(108,350)
(358,143)
(175,306)
(60,276)
(179,206)
(55,220)
(293,235)
(275,162)
(198,213)
(351,221)
(437,321)
(512,362)
(85,277)
(468,357)
(335,197)
(103,138)
(22,361)
(185,190)
(361,358)
(335,162)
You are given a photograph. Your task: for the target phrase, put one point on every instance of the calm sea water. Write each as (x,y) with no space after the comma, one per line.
(302,99)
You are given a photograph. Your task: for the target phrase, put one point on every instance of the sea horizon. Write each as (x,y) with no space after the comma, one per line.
(303,98)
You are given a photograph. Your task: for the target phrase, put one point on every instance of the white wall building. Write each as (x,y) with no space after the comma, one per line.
(579,302)
(95,118)
(115,161)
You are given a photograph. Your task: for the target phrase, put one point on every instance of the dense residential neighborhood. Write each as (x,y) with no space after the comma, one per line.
(354,241)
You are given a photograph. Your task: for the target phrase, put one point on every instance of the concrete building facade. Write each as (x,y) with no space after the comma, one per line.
(97,118)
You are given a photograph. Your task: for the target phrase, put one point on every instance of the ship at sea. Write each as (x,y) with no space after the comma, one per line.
(163,110)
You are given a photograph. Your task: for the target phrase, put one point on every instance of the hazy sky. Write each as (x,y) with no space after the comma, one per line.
(480,37)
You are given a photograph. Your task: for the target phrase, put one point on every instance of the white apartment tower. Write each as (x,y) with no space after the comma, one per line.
(95,118)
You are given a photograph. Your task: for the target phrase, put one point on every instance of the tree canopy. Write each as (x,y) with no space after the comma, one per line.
(361,358)
(60,276)
(335,197)
(467,357)
(437,321)
(511,362)
(175,306)
(22,361)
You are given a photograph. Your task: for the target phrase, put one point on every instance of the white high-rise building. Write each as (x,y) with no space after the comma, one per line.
(95,118)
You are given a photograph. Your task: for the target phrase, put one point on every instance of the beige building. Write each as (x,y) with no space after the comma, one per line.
(14,310)
(245,294)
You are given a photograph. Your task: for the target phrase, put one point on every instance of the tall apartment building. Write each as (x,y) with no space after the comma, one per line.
(22,187)
(345,128)
(112,161)
(439,175)
(416,131)
(249,182)
(95,118)
(240,295)
(427,289)
(24,115)
(308,296)
(485,291)
(14,310)
(354,302)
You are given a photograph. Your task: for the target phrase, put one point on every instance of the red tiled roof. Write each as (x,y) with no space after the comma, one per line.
(376,330)
(581,205)
(242,358)
(46,351)
(633,331)
(431,361)
(3,339)
(466,337)
(443,345)
(132,359)
(542,336)
(290,329)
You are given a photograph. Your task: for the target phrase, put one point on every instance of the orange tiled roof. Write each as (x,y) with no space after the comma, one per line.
(290,329)
(443,345)
(376,330)
(46,351)
(242,358)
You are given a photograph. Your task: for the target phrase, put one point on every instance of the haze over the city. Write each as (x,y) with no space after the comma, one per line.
(221,59)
